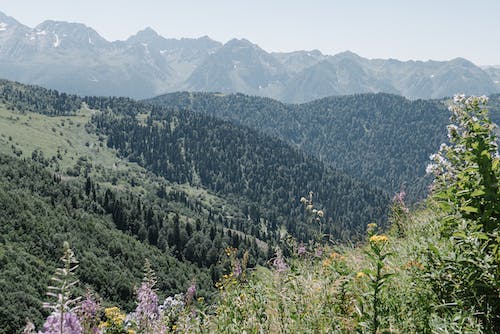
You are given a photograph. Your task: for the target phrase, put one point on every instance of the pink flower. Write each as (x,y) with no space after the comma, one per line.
(70,324)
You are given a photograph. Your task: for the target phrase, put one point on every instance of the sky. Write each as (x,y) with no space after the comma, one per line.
(400,29)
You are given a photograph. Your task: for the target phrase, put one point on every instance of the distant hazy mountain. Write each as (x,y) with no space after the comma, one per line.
(74,58)
(494,73)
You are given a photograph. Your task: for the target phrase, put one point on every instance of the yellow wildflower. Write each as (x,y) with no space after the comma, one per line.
(378,239)
(414,264)
(114,315)
(336,256)
(360,275)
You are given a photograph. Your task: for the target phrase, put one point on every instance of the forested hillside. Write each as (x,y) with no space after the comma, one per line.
(240,164)
(40,210)
(123,181)
(379,138)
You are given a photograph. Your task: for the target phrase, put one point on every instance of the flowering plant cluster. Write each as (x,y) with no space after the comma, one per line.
(76,316)
(466,186)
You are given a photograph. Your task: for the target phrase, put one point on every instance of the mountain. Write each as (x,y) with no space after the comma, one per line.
(238,66)
(494,73)
(379,138)
(74,58)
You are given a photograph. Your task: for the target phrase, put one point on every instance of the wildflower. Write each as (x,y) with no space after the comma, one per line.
(190,293)
(301,251)
(336,256)
(414,264)
(303,200)
(29,328)
(174,303)
(378,239)
(319,252)
(88,314)
(279,263)
(70,324)
(114,316)
(237,269)
(89,307)
(320,213)
(431,169)
(360,275)
(147,309)
(327,263)
(399,197)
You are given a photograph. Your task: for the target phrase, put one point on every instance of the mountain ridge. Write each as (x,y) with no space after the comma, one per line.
(74,58)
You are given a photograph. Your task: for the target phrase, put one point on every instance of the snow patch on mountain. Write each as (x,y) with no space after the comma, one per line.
(3,26)
(57,41)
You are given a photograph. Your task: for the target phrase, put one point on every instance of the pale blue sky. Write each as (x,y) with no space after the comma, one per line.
(402,29)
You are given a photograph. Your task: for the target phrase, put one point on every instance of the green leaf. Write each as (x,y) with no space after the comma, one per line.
(445,206)
(459,235)
(477,192)
(495,163)
(469,209)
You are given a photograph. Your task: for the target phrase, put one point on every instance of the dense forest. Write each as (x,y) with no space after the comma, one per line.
(39,212)
(236,162)
(380,138)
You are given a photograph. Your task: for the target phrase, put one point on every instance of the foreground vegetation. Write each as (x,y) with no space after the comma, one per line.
(436,270)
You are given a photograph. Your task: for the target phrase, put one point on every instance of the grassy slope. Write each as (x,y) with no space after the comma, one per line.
(32,131)
(331,293)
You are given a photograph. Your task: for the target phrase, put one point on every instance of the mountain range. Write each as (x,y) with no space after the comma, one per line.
(74,58)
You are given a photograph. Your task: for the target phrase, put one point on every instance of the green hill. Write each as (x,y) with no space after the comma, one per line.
(382,139)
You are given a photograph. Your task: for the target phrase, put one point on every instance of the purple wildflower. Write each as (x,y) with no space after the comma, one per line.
(190,293)
(147,310)
(67,324)
(319,252)
(279,263)
(399,201)
(399,197)
(88,314)
(301,251)
(237,269)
